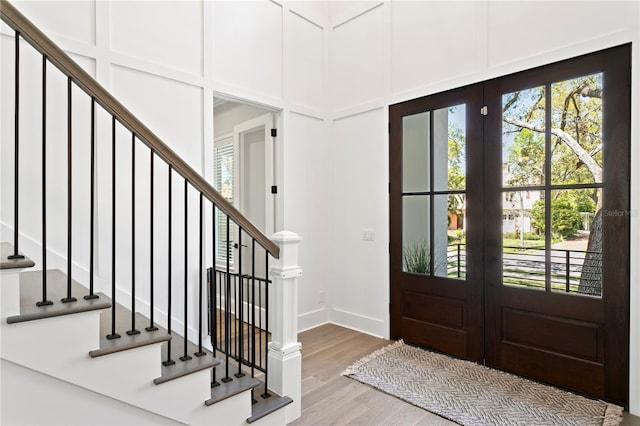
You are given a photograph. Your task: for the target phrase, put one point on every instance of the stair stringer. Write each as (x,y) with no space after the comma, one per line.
(62,403)
(59,347)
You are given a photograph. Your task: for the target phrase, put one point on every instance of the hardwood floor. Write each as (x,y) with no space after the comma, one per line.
(331,399)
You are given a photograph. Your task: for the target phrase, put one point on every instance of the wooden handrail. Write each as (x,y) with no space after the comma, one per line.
(43,44)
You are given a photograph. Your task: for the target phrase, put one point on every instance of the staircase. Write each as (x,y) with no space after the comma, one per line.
(86,341)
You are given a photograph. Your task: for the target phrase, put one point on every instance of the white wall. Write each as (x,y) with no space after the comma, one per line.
(386,52)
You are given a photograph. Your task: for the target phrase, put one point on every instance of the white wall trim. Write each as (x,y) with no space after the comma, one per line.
(312,319)
(358,322)
(344,20)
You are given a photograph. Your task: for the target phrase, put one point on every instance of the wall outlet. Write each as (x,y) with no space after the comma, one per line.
(321,296)
(368,235)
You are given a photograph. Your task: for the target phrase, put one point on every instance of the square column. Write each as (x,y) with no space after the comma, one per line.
(284,357)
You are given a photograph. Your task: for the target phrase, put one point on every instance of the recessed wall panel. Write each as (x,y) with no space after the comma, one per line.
(357,60)
(72,19)
(434,41)
(552,25)
(247,45)
(306,189)
(166,32)
(305,59)
(358,197)
(171,109)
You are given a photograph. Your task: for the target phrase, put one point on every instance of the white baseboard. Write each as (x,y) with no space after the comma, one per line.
(364,324)
(312,319)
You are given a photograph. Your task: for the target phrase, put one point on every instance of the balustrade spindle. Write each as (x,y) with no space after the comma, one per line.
(253,315)
(213,291)
(16,161)
(151,326)
(253,307)
(133,330)
(169,361)
(113,334)
(266,393)
(200,271)
(91,294)
(227,309)
(44,301)
(185,356)
(69,298)
(239,311)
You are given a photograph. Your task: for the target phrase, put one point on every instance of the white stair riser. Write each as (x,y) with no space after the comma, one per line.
(10,292)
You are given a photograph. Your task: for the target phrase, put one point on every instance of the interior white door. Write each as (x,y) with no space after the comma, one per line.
(254,177)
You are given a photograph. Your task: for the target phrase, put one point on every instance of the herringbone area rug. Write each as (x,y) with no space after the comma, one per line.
(474,395)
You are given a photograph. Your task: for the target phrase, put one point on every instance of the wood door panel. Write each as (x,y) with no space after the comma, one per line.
(435,310)
(563,336)
(436,337)
(568,372)
(555,304)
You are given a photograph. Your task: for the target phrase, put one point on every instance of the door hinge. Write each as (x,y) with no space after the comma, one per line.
(389,247)
(389,187)
(389,307)
(274,133)
(274,189)
(389,127)
(484,110)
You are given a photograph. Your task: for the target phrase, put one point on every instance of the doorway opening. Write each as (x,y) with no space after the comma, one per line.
(244,172)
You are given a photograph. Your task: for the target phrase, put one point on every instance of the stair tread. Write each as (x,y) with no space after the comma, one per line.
(6,250)
(31,292)
(234,387)
(182,368)
(144,338)
(266,406)
(126,341)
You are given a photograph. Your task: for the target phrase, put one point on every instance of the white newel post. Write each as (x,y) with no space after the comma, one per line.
(285,359)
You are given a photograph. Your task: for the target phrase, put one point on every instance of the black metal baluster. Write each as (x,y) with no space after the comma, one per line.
(185,356)
(169,361)
(568,266)
(253,315)
(133,330)
(213,294)
(459,260)
(266,393)
(91,294)
(200,271)
(220,311)
(151,326)
(260,329)
(16,161)
(113,334)
(44,301)
(69,298)
(239,335)
(227,309)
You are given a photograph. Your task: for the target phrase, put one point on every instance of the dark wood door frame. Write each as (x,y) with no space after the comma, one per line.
(472,319)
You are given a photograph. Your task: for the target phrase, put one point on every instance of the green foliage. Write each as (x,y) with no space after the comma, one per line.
(527,236)
(525,159)
(416,258)
(565,218)
(455,171)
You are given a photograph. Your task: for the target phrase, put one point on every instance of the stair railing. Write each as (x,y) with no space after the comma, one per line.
(252,352)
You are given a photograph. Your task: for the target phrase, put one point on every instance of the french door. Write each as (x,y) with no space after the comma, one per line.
(509,219)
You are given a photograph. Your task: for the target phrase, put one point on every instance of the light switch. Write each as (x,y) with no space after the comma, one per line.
(368,235)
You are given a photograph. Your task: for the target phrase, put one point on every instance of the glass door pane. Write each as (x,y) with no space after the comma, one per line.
(434,192)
